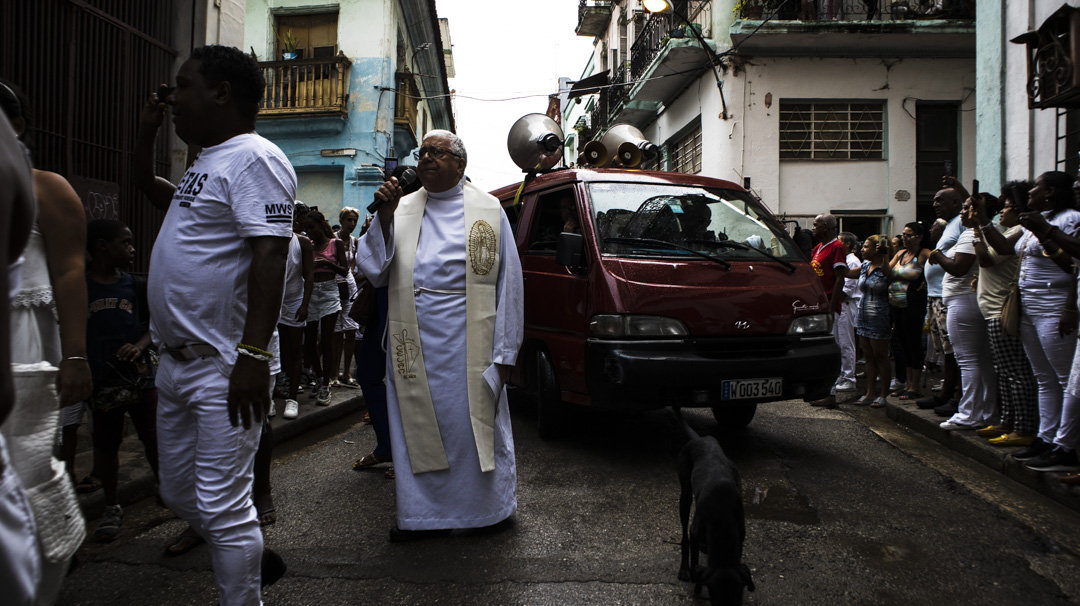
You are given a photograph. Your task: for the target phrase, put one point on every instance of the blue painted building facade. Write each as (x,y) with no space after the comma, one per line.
(355,95)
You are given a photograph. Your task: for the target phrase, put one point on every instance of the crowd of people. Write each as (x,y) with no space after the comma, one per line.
(427,300)
(987,294)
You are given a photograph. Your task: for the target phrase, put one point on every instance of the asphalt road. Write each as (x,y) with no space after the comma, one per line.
(842,508)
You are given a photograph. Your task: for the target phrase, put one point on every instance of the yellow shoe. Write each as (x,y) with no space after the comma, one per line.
(1006,440)
(993,431)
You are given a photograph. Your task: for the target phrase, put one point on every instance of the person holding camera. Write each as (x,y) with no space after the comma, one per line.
(967,329)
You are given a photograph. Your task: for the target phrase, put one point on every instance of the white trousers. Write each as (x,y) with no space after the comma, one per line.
(20,559)
(971,346)
(1051,357)
(206,471)
(844,333)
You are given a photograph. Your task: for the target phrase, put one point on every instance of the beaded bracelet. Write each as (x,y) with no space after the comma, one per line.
(254,352)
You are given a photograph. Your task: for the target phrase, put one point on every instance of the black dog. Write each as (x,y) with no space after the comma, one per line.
(711,481)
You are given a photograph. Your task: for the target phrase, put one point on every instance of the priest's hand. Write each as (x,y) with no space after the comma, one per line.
(390,193)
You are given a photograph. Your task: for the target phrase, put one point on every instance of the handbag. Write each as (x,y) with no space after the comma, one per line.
(1010,309)
(1010,312)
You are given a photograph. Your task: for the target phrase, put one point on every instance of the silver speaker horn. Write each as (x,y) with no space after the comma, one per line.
(595,154)
(629,144)
(535,142)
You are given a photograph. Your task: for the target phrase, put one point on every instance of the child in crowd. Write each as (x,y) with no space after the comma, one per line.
(299,280)
(118,342)
(325,301)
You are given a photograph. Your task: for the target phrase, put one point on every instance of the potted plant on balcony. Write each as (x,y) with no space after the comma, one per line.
(288,44)
(748,9)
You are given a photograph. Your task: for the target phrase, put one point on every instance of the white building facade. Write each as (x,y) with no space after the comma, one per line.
(851,116)
(1016,141)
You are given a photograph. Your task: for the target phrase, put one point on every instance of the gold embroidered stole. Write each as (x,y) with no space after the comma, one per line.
(483,216)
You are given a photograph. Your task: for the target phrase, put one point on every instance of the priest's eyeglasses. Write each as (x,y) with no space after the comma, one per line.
(437,153)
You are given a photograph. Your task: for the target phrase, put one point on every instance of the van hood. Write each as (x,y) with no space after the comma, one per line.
(749,298)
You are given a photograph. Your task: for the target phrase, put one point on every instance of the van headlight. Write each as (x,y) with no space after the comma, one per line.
(813,324)
(611,326)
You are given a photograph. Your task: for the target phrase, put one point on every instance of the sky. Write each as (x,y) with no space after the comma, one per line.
(503,50)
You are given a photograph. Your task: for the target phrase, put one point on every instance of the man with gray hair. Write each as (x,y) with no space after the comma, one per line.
(454,325)
(829,260)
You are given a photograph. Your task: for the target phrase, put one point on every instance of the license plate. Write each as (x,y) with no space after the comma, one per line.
(741,389)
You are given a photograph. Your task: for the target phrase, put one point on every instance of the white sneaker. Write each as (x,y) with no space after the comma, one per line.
(895,385)
(273,409)
(292,409)
(845,386)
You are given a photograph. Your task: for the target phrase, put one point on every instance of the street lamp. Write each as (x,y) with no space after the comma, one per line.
(656,6)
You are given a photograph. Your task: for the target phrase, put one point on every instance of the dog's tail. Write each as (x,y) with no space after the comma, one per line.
(688,431)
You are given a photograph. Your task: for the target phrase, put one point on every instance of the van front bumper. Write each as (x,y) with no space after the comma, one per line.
(647,374)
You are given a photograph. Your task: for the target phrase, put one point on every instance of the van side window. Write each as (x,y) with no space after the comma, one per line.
(556,212)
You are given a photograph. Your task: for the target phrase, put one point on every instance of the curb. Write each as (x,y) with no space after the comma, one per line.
(977,448)
(141,483)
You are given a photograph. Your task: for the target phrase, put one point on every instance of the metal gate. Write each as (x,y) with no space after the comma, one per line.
(87,68)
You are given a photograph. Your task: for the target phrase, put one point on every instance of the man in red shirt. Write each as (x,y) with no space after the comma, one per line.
(827,256)
(829,260)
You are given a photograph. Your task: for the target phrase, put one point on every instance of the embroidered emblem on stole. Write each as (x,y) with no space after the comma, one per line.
(482,247)
(405,354)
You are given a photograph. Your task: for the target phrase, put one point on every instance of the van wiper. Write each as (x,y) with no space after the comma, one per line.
(741,246)
(665,244)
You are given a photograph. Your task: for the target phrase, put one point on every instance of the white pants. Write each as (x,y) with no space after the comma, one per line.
(1051,357)
(206,471)
(20,559)
(844,333)
(971,346)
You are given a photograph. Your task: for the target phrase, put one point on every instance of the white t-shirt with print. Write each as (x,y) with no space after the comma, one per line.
(198,283)
(953,286)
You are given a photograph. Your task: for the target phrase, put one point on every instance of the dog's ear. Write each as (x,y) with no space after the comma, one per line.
(744,574)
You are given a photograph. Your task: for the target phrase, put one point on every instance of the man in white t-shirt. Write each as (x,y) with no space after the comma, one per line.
(215,288)
(845,320)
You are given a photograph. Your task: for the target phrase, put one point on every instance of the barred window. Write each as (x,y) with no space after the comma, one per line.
(686,153)
(832,130)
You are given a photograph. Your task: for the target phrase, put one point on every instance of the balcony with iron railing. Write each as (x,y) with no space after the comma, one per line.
(305,87)
(593,17)
(846,28)
(856,10)
(670,50)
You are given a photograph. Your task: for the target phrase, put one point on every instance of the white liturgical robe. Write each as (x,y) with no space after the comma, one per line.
(460,496)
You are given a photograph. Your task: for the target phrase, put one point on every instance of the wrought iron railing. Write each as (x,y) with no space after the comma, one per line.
(858,10)
(598,118)
(305,86)
(663,26)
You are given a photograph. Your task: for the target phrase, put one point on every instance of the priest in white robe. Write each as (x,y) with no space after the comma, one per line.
(454,328)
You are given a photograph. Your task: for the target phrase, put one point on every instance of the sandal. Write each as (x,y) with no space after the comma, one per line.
(183,542)
(862,401)
(879,403)
(371,460)
(911,395)
(87,485)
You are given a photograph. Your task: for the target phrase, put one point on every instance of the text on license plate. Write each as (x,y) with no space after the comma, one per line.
(752,388)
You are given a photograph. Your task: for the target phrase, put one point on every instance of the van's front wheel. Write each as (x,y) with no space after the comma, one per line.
(551,413)
(734,417)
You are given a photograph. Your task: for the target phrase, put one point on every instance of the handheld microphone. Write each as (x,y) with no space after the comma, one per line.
(406,179)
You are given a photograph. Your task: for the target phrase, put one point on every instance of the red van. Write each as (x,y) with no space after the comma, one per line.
(648,289)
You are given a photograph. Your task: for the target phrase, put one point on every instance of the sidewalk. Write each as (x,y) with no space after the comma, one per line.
(136,481)
(965,442)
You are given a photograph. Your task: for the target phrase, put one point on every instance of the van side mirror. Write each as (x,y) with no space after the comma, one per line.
(570,251)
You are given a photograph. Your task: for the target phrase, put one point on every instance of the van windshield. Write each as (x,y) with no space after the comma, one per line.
(717,222)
